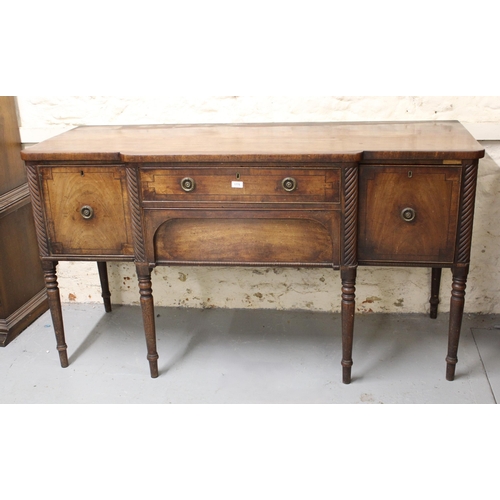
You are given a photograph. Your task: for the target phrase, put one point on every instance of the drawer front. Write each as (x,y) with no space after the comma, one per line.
(86,210)
(244,185)
(408,214)
(251,237)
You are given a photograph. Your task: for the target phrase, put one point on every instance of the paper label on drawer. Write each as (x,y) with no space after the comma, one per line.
(236,184)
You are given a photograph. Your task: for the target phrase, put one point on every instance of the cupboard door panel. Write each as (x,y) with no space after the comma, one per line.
(408,214)
(87,210)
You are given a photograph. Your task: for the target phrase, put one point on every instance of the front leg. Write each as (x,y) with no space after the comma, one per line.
(348,276)
(148,316)
(54,300)
(456,314)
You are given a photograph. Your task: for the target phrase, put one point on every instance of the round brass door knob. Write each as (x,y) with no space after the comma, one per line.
(87,212)
(187,184)
(289,184)
(408,214)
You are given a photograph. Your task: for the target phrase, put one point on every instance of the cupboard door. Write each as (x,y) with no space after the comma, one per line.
(408,214)
(87,210)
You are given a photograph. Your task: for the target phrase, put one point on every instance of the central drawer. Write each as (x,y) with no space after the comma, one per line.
(241,184)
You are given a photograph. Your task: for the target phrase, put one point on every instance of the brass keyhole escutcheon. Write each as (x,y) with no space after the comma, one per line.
(408,214)
(187,184)
(87,212)
(289,184)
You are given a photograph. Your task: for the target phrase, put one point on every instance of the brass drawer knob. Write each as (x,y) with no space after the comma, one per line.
(289,184)
(187,184)
(87,212)
(408,214)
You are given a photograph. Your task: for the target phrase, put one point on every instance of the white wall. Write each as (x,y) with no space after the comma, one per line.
(379,289)
(44,116)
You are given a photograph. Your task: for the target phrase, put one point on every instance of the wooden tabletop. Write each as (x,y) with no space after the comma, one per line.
(340,141)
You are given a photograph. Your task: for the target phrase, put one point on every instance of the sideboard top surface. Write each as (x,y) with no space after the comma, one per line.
(337,141)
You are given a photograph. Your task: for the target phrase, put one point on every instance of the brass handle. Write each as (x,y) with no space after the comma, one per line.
(187,184)
(408,214)
(87,212)
(289,184)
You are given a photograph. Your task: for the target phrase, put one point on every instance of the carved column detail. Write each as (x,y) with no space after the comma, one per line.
(350,216)
(349,266)
(467,213)
(135,211)
(36,204)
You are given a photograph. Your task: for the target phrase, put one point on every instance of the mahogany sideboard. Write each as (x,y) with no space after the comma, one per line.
(336,195)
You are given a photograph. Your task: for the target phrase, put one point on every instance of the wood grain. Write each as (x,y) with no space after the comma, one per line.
(434,195)
(12,172)
(254,185)
(312,142)
(228,240)
(67,190)
(22,292)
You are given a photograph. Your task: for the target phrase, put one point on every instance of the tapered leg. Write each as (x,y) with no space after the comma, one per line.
(54,300)
(348,305)
(435,284)
(456,313)
(147,306)
(105,293)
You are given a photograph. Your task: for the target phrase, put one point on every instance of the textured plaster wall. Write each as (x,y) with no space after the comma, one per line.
(41,116)
(378,289)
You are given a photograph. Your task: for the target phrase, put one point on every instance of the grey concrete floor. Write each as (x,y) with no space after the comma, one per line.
(249,356)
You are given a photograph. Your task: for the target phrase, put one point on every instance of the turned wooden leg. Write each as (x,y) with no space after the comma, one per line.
(106,294)
(456,314)
(54,300)
(435,284)
(148,317)
(348,305)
